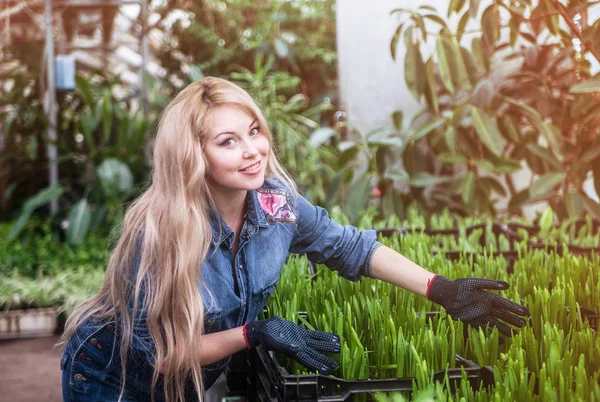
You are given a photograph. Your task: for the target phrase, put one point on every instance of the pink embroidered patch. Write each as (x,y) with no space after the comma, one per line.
(271,203)
(276,206)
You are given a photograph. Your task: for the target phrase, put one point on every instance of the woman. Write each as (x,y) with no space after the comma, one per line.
(201,251)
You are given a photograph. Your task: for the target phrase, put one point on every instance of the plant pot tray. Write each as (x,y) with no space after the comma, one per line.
(15,324)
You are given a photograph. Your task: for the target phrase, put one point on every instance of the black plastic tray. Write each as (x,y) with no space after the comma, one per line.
(271,382)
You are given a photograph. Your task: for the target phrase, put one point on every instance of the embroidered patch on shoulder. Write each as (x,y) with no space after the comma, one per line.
(276,205)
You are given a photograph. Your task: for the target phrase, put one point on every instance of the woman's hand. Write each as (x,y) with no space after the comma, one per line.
(295,341)
(468,300)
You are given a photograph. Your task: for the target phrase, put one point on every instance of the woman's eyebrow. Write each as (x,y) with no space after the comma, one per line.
(233,132)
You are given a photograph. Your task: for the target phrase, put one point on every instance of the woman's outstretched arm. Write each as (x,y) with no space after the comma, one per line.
(391,266)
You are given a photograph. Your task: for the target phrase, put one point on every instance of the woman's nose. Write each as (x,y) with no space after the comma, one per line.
(250,150)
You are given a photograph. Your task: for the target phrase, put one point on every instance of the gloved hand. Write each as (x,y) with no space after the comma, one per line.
(467,299)
(295,341)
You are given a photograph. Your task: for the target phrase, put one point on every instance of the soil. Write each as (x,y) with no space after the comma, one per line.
(30,370)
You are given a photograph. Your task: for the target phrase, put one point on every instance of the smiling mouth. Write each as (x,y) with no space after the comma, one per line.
(251,167)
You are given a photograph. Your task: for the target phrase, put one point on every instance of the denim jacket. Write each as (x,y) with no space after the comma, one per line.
(236,288)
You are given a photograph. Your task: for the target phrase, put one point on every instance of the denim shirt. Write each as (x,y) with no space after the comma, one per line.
(235,288)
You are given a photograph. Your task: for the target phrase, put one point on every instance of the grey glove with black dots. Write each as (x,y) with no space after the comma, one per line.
(295,341)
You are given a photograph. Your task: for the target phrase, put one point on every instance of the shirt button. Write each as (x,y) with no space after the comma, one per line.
(78,377)
(82,356)
(241,267)
(94,342)
(245,304)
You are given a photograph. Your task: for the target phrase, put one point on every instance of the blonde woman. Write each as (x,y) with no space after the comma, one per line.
(201,251)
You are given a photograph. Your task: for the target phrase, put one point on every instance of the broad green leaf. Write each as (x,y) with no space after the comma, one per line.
(398,118)
(444,64)
(450,137)
(468,189)
(545,183)
(574,204)
(462,26)
(490,21)
(494,185)
(333,191)
(116,177)
(79,222)
(423,179)
(430,88)
(281,48)
(458,69)
(509,129)
(500,166)
(393,142)
(358,196)
(83,86)
(321,135)
(472,70)
(479,56)
(41,198)
(488,131)
(435,18)
(519,199)
(455,6)
(545,154)
(195,73)
(397,175)
(588,86)
(426,128)
(452,158)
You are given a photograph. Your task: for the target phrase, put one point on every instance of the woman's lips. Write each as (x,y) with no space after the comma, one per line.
(252,169)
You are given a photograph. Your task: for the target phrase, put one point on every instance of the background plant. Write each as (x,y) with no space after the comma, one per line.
(520,91)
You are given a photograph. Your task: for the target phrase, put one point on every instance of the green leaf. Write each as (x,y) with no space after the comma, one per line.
(509,129)
(443,64)
(195,73)
(450,137)
(479,56)
(430,88)
(588,86)
(518,200)
(321,135)
(107,115)
(436,19)
(545,154)
(468,187)
(398,118)
(83,86)
(41,198)
(490,21)
(281,48)
(358,196)
(423,179)
(116,177)
(395,40)
(452,158)
(493,184)
(426,128)
(545,183)
(79,222)
(546,221)
(488,131)
(574,204)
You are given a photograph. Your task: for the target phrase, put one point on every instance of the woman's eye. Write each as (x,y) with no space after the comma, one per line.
(255,131)
(228,142)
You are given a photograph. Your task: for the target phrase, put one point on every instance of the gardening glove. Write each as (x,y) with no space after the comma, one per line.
(468,300)
(295,341)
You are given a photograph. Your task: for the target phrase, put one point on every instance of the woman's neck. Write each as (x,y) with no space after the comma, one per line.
(232,207)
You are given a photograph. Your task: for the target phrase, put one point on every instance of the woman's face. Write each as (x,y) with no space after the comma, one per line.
(236,150)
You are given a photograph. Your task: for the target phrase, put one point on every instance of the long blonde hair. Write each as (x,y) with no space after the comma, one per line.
(173,213)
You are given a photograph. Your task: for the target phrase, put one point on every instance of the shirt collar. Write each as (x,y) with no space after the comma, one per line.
(255,219)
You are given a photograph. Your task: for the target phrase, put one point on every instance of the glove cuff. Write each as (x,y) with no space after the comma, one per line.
(440,289)
(245,331)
